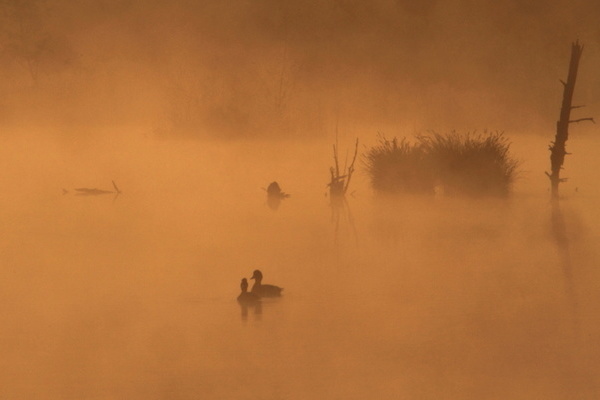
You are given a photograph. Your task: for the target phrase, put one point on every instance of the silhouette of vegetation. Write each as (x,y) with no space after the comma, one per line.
(338,185)
(340,179)
(27,38)
(398,166)
(459,164)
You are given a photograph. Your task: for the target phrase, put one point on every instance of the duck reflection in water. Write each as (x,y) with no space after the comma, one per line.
(247,299)
(264,290)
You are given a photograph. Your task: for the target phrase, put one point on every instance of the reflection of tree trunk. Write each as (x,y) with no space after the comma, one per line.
(559,231)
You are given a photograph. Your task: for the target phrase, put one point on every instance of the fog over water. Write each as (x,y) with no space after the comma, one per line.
(194,108)
(134,297)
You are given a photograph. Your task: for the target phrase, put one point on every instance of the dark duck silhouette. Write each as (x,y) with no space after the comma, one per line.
(247,297)
(275,195)
(264,290)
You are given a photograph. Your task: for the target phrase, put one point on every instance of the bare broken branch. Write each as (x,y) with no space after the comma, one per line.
(335,158)
(582,119)
(351,168)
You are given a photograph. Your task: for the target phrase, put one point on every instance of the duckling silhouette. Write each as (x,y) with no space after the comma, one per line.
(264,290)
(245,296)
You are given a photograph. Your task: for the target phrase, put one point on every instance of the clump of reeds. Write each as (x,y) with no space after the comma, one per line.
(469,164)
(398,166)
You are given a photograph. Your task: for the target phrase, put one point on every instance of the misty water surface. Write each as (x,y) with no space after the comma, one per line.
(134,297)
(193,107)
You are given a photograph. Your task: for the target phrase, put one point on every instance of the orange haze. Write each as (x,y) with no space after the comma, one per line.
(193,108)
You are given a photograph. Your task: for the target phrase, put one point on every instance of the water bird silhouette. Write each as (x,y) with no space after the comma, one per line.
(245,296)
(275,195)
(264,290)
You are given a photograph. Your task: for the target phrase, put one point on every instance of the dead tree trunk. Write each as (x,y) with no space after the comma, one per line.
(558,147)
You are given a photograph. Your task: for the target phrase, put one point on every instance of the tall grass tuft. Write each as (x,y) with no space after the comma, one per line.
(462,164)
(398,166)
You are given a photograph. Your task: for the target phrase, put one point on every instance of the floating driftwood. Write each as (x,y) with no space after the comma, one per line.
(93,191)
